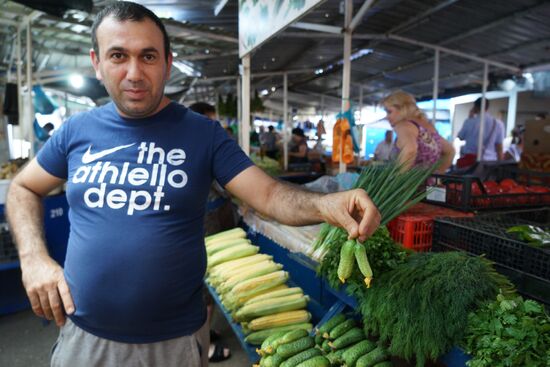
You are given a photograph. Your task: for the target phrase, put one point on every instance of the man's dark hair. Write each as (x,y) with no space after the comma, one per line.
(123,11)
(477,104)
(299,132)
(203,108)
(271,128)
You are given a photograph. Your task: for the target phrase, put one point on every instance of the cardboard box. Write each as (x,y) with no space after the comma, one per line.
(537,137)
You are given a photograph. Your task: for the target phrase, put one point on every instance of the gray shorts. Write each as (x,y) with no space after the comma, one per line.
(75,348)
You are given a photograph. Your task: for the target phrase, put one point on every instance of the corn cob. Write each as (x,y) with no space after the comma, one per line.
(231,233)
(233,302)
(269,307)
(279,319)
(230,273)
(232,267)
(261,282)
(232,253)
(217,247)
(275,294)
(262,268)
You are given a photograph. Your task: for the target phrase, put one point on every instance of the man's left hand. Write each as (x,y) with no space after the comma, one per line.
(352,210)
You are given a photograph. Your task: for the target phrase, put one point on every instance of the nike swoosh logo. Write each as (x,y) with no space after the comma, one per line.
(89,157)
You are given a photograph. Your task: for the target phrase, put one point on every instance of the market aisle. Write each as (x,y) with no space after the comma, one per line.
(25,341)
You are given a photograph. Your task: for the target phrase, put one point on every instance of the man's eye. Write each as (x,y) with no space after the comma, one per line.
(149,58)
(117,56)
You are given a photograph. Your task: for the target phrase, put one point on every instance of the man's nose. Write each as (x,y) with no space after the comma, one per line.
(134,72)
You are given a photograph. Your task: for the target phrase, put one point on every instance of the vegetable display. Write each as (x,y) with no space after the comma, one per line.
(508,332)
(253,287)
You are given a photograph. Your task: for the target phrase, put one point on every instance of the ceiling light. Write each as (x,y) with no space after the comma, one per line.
(273,89)
(273,59)
(207,51)
(174,54)
(319,71)
(265,92)
(76,81)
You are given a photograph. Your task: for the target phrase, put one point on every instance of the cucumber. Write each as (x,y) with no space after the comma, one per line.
(318,339)
(267,347)
(275,360)
(341,329)
(347,260)
(289,337)
(301,357)
(372,358)
(295,347)
(350,337)
(318,361)
(352,354)
(325,347)
(331,323)
(257,337)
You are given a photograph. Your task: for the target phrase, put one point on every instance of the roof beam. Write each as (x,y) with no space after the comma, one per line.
(219,7)
(418,19)
(360,14)
(318,27)
(196,57)
(500,21)
(454,52)
(179,30)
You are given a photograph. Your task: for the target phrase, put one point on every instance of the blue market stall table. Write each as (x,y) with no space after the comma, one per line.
(56,223)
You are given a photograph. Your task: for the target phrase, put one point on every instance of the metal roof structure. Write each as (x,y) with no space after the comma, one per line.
(393,47)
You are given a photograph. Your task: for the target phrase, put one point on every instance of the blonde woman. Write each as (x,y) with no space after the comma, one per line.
(418,143)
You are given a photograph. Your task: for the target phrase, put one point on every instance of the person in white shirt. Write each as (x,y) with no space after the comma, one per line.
(384,148)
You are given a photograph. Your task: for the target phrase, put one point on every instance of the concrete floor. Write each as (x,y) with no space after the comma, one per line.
(25,341)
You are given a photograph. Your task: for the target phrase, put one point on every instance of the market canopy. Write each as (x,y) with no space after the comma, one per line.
(393,47)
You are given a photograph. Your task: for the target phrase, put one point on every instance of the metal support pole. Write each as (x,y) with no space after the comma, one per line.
(17,129)
(436,86)
(482,112)
(286,122)
(245,122)
(346,69)
(512,110)
(363,126)
(322,107)
(29,135)
(239,106)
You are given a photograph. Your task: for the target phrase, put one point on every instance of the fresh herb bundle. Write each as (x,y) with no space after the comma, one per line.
(509,332)
(533,235)
(421,307)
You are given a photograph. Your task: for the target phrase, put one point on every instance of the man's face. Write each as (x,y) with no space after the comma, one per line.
(389,136)
(132,65)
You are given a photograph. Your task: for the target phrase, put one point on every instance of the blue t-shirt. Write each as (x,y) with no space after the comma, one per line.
(137,191)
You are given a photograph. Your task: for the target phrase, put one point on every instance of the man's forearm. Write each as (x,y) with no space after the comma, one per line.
(24,211)
(292,205)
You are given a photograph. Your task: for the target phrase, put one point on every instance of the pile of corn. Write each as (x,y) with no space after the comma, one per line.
(253,287)
(344,343)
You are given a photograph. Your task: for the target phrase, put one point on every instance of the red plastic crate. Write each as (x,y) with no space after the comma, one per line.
(414,228)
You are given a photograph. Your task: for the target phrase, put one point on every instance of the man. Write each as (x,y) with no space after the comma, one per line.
(138,171)
(270,143)
(205,109)
(384,148)
(493,136)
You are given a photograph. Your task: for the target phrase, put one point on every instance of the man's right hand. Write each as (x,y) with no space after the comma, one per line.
(47,289)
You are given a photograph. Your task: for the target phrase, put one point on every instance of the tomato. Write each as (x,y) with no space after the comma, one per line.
(507,184)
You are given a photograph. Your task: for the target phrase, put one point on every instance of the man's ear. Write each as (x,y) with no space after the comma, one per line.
(95,63)
(169,64)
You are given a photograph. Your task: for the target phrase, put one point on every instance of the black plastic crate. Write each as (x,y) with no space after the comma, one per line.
(528,267)
(467,192)
(8,252)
